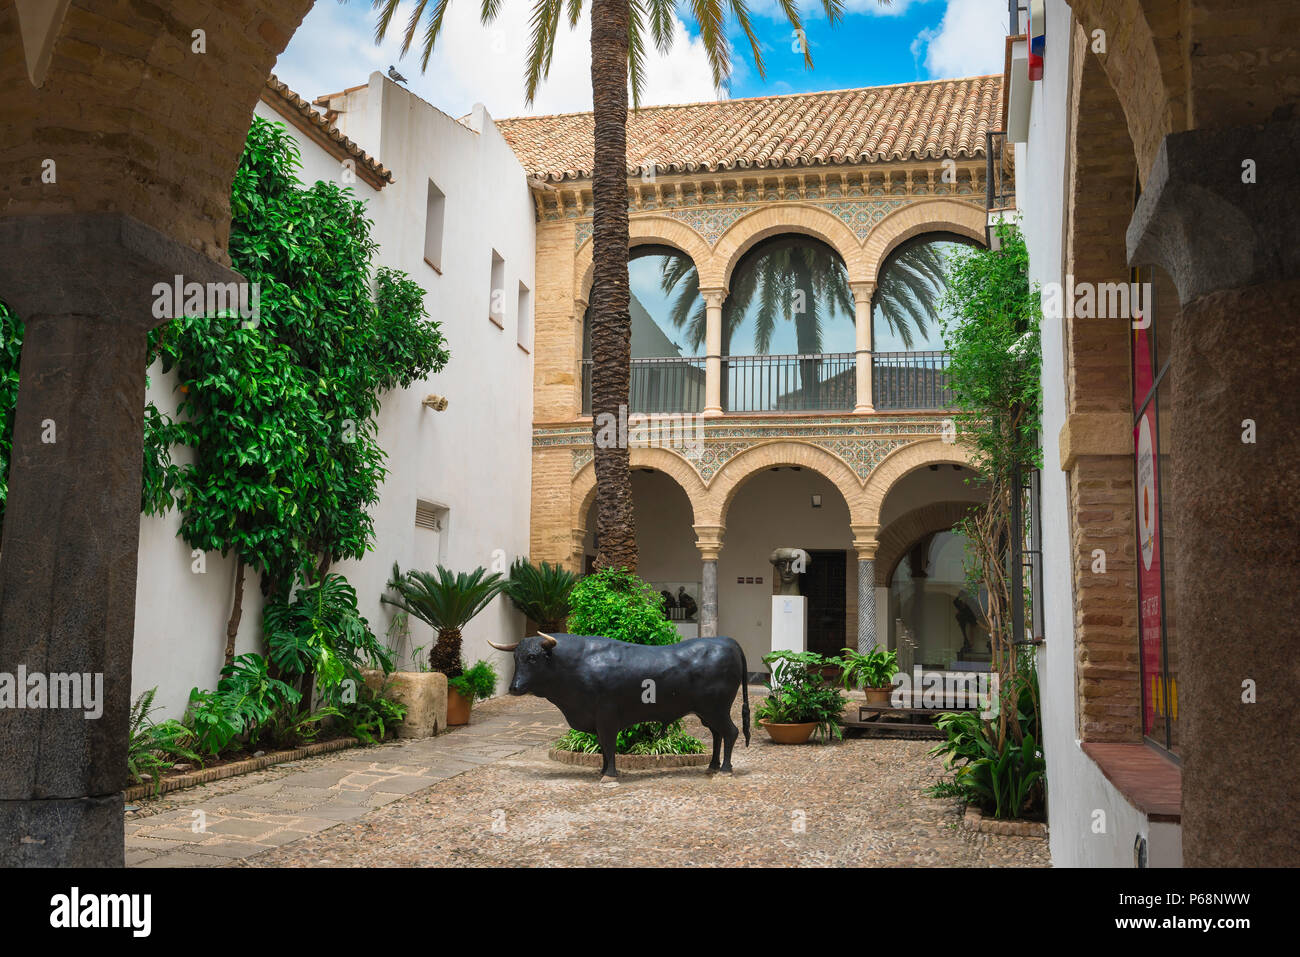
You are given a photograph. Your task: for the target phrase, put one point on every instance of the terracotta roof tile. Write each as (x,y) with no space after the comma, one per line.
(293,107)
(939,118)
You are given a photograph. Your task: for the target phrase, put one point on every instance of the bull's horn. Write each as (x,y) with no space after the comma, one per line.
(504,647)
(547,640)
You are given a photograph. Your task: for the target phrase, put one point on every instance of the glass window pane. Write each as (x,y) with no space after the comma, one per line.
(907,305)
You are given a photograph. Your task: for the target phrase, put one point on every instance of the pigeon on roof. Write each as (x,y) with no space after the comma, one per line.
(394,75)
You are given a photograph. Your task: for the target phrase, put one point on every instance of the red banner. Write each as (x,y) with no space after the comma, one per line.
(1146,440)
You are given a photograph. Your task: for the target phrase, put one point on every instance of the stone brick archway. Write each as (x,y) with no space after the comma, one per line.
(928,216)
(899,463)
(671,463)
(799,218)
(738,469)
(115,174)
(899,535)
(649,231)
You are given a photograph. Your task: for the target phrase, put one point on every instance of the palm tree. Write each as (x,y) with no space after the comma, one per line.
(447,602)
(619,30)
(911,289)
(541,592)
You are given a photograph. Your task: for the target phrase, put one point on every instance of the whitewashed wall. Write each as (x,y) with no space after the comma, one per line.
(471,459)
(1077,788)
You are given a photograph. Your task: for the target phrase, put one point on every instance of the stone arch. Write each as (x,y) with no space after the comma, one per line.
(899,463)
(928,216)
(583,490)
(646,231)
(739,468)
(894,541)
(775,220)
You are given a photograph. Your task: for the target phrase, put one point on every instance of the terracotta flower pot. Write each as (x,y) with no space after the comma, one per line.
(458,707)
(788,733)
(878,697)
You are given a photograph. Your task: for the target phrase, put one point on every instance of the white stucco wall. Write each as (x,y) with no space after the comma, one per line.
(1077,788)
(473,459)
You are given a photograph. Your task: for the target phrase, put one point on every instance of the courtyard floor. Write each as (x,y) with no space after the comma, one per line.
(487,795)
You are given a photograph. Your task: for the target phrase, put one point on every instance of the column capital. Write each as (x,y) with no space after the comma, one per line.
(708,539)
(863,291)
(714,296)
(864,541)
(1218,210)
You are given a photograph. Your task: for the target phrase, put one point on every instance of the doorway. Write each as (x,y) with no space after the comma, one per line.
(823,584)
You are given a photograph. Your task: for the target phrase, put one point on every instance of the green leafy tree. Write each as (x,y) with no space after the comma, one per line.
(994,373)
(280,408)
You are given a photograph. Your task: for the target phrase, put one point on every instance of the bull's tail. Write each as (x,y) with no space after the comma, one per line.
(744,690)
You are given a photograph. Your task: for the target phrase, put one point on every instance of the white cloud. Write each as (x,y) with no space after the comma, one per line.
(970,41)
(472,63)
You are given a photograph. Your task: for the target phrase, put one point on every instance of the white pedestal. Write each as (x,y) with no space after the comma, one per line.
(687,629)
(789,622)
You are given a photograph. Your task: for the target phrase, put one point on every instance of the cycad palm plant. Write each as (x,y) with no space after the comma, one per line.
(620,32)
(541,592)
(448,602)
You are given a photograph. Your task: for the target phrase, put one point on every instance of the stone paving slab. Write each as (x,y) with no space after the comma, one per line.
(486,795)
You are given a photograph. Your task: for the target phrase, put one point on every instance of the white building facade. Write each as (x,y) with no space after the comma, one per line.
(457,217)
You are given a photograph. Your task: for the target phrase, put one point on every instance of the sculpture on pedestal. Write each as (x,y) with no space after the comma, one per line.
(789,564)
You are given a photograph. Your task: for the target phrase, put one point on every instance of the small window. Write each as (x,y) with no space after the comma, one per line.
(497,292)
(525,318)
(434,213)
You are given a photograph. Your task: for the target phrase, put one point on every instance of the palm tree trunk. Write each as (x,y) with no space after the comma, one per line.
(445,656)
(611,323)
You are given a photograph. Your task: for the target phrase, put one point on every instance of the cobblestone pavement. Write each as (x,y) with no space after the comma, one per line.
(487,795)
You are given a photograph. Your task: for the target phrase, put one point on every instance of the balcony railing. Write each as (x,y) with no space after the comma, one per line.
(658,385)
(806,383)
(799,383)
(910,380)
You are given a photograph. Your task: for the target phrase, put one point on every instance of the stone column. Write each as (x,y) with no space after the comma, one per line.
(862,292)
(713,299)
(864,541)
(709,542)
(83,286)
(1230,247)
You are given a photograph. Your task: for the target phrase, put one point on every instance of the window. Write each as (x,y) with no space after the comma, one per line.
(434,213)
(497,292)
(1153,518)
(525,318)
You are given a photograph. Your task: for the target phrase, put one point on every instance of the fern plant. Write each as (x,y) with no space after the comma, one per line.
(152,747)
(448,602)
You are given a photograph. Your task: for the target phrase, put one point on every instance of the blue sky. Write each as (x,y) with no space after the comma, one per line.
(909,40)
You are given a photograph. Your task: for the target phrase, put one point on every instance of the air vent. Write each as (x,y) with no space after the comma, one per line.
(428,515)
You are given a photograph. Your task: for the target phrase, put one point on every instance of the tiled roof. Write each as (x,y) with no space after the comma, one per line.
(298,111)
(940,118)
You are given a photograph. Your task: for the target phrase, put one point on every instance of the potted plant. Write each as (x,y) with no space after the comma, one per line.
(472,684)
(801,703)
(872,672)
(447,602)
(542,593)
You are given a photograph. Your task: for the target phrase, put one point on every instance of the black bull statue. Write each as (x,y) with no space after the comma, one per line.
(603,686)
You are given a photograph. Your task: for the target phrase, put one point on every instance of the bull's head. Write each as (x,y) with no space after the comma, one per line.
(533,664)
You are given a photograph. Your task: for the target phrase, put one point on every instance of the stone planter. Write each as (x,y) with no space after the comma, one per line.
(425,695)
(630,762)
(878,697)
(976,821)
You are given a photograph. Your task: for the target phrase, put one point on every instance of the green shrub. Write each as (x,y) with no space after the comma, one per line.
(369,718)
(875,669)
(650,737)
(616,604)
(246,697)
(477,682)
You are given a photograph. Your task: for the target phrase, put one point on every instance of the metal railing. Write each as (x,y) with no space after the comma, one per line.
(798,383)
(910,380)
(670,384)
(801,383)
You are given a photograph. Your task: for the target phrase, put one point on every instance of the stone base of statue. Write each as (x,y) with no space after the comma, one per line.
(789,622)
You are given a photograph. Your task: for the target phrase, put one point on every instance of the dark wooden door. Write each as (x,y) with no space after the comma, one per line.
(823,585)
